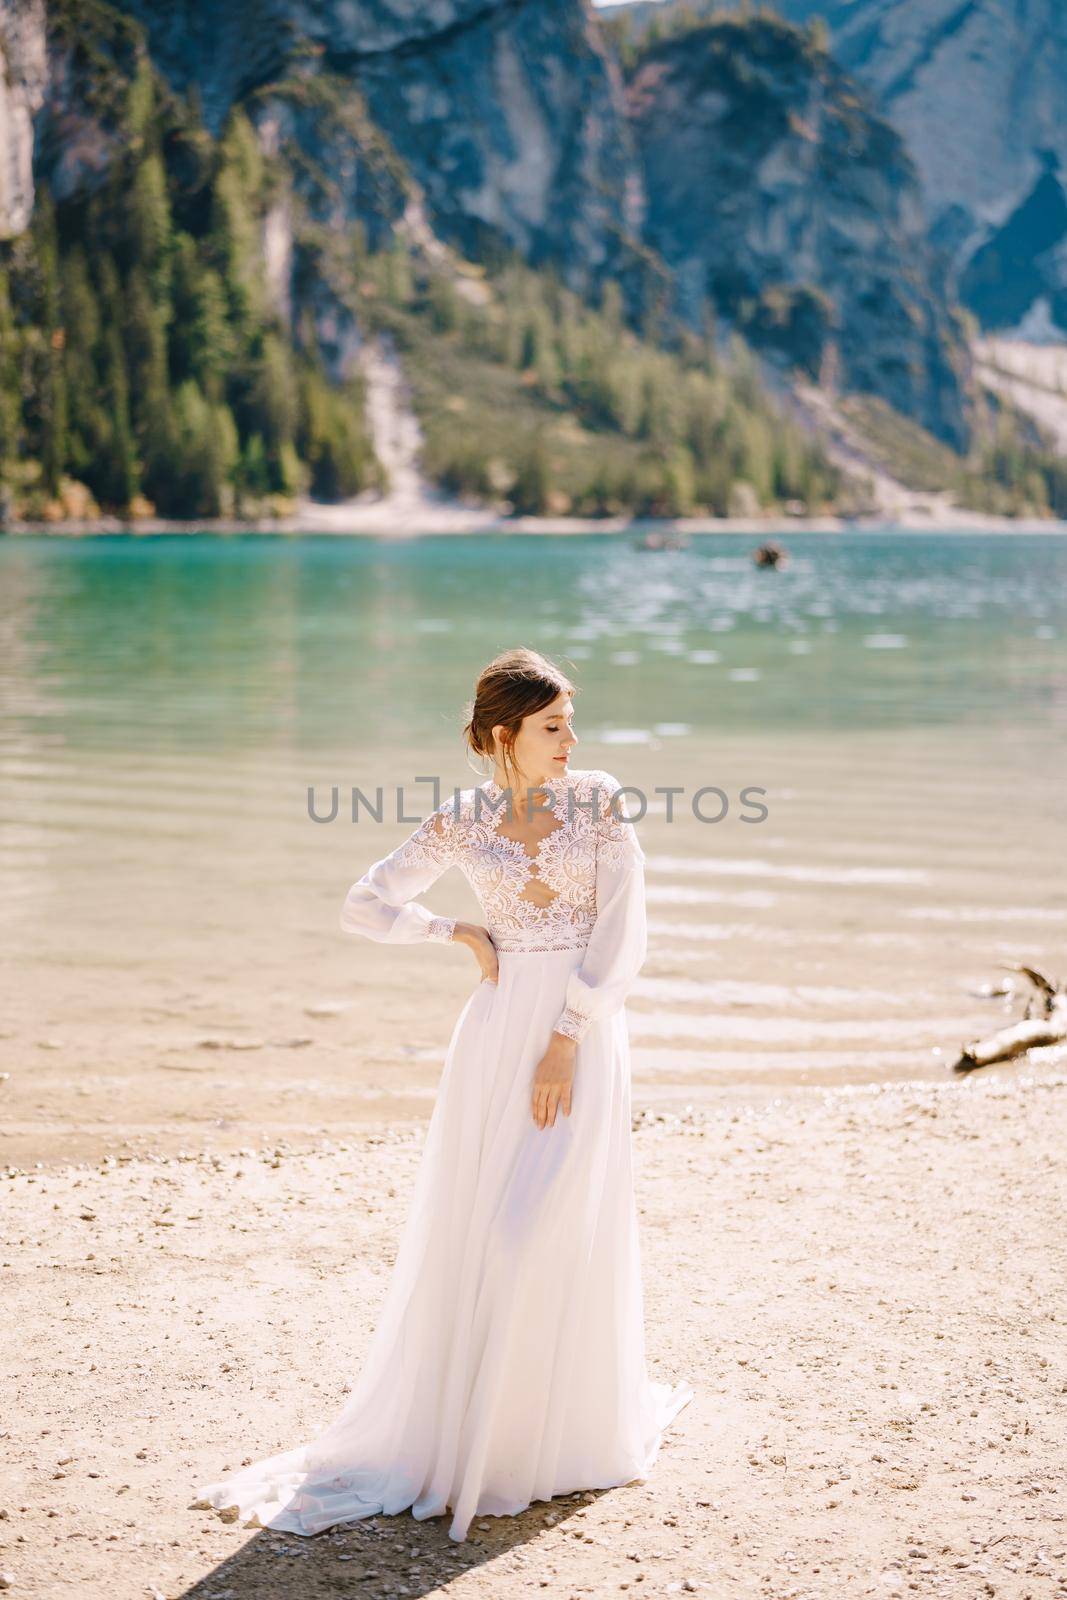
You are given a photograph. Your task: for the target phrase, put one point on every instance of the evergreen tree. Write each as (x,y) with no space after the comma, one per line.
(149,232)
(81,320)
(9,382)
(679,483)
(533,481)
(269,408)
(118,478)
(331,437)
(202,341)
(205,454)
(253,472)
(52,396)
(116,475)
(234,234)
(149,385)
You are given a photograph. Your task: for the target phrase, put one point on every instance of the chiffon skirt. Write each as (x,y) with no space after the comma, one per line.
(508,1362)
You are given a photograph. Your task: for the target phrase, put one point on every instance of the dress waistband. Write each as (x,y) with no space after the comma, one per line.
(516,947)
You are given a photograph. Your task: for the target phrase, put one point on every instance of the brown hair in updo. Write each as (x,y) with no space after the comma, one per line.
(511,687)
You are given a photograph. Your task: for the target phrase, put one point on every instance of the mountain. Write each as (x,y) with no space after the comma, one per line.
(978,91)
(221,194)
(775,190)
(221,236)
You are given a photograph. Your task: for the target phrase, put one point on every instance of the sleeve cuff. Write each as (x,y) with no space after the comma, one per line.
(575,1024)
(416,922)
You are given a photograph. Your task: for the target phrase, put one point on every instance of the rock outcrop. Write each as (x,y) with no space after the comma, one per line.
(220,52)
(978,90)
(23,79)
(506,113)
(514,129)
(775,190)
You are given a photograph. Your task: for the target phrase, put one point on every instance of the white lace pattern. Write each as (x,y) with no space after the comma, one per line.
(540,901)
(580,889)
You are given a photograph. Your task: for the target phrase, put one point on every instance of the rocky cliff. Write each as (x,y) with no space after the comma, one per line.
(222,52)
(978,90)
(506,113)
(774,190)
(23,76)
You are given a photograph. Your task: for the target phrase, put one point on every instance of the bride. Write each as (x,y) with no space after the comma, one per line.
(508,1362)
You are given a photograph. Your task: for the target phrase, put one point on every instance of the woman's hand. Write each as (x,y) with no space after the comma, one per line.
(554,1080)
(478,939)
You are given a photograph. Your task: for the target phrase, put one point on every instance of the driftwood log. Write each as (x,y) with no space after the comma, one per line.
(1044,1022)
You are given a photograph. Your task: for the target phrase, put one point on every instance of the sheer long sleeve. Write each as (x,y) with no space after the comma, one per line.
(619,940)
(382,905)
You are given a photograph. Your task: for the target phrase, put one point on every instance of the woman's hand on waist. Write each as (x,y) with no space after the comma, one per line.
(478,940)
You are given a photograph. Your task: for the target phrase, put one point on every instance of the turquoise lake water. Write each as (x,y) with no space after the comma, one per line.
(206,642)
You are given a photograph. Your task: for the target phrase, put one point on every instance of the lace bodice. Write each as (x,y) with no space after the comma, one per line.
(532,900)
(584,876)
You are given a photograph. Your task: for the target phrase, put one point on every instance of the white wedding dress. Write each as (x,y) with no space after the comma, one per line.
(508,1363)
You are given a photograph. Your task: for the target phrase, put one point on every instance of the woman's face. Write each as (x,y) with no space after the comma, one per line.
(545,740)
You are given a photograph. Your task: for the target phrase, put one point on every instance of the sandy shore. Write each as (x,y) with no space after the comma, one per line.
(385,520)
(864,1285)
